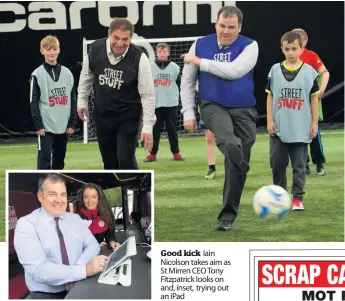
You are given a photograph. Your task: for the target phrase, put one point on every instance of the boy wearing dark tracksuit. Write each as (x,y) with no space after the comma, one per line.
(53,106)
(166,78)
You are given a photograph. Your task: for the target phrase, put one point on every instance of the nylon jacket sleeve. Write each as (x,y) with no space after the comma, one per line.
(74,115)
(35,96)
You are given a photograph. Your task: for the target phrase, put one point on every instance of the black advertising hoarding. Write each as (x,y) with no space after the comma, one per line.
(24,24)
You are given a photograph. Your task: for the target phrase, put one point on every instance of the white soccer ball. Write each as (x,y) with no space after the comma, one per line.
(272,202)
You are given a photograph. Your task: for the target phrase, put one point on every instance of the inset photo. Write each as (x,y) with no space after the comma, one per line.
(79,234)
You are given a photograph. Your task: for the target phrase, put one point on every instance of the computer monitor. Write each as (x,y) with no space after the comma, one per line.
(127,249)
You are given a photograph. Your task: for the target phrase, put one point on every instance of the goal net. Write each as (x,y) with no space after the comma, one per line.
(177,46)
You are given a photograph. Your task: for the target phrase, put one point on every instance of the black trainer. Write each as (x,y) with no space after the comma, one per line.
(224,225)
(320,171)
(211,174)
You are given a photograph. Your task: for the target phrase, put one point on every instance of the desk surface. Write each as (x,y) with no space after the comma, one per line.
(139,289)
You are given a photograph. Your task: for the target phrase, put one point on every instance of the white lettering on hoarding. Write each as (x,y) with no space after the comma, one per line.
(60,16)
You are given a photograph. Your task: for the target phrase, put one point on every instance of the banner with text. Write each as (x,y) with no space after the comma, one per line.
(249,271)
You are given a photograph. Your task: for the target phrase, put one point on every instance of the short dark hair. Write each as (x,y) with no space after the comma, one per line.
(122,24)
(290,37)
(50,176)
(104,208)
(230,11)
(163,45)
(136,216)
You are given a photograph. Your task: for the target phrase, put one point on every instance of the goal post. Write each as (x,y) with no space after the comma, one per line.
(178,46)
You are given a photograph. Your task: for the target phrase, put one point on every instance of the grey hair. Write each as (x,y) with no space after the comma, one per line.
(230,11)
(52,177)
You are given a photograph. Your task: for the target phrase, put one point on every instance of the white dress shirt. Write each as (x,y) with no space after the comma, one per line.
(38,249)
(145,86)
(245,62)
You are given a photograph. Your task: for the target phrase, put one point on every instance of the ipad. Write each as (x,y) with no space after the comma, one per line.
(127,249)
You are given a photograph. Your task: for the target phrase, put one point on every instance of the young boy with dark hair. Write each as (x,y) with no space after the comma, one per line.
(311,58)
(166,78)
(292,115)
(53,106)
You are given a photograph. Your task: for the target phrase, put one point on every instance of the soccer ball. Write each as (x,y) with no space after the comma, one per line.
(272,202)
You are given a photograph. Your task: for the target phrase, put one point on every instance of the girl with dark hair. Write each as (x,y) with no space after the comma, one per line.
(94,208)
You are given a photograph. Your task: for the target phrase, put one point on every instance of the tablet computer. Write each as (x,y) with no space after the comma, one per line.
(126,250)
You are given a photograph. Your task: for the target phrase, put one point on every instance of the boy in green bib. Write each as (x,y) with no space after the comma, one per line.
(53,106)
(292,115)
(166,79)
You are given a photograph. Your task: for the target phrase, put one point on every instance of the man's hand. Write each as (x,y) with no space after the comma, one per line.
(82,113)
(190,125)
(70,131)
(271,127)
(68,286)
(313,130)
(148,141)
(41,132)
(191,59)
(96,265)
(114,245)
